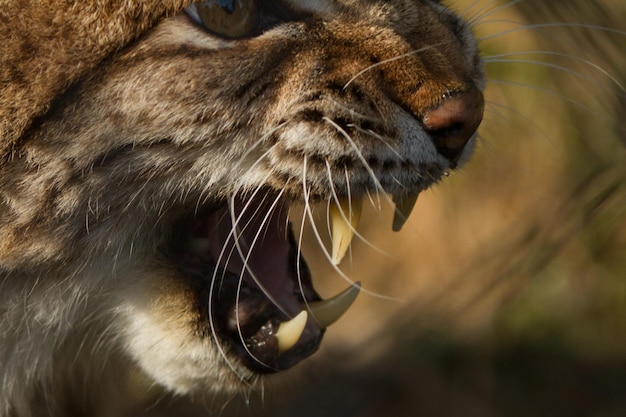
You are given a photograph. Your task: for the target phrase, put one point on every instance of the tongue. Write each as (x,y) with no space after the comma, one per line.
(257,248)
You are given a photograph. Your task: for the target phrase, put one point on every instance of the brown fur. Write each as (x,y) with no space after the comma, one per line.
(47,46)
(115,133)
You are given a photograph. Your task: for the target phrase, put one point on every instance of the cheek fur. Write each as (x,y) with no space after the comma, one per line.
(161,329)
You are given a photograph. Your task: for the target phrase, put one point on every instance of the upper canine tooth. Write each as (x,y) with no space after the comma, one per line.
(327,312)
(404,206)
(344,219)
(290,331)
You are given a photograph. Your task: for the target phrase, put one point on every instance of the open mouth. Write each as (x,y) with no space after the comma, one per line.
(257,291)
(261,302)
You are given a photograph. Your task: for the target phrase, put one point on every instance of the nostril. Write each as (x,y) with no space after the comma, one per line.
(453,122)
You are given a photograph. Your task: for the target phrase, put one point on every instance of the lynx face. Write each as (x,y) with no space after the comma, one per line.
(147,210)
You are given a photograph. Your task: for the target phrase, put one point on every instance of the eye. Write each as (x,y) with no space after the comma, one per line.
(227,18)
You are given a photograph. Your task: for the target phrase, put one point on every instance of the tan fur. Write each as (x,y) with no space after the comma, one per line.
(47,46)
(114,131)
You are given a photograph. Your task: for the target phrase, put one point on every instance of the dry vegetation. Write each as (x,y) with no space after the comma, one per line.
(505,294)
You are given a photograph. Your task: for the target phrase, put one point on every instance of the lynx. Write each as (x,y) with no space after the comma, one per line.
(153,154)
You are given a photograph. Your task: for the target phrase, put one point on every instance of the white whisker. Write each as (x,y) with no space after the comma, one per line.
(554,94)
(372,174)
(245,253)
(301,234)
(536,27)
(247,268)
(216,339)
(497,59)
(527,120)
(478,18)
(309,213)
(386,61)
(335,199)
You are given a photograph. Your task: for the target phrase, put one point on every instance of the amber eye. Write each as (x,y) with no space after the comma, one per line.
(227,18)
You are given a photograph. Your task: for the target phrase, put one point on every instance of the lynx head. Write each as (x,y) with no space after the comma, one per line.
(157,155)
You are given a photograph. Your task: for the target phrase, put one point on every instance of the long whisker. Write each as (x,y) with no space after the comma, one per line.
(480,16)
(376,204)
(247,267)
(246,255)
(206,194)
(410,167)
(353,113)
(377,183)
(386,61)
(335,198)
(372,174)
(309,213)
(552,93)
(213,331)
(537,26)
(371,133)
(221,256)
(301,235)
(214,281)
(235,235)
(496,59)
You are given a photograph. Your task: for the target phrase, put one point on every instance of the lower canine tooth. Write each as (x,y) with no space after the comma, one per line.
(329,311)
(404,206)
(290,331)
(344,219)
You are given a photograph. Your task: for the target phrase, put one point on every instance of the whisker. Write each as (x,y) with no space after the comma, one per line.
(235,235)
(246,256)
(361,116)
(329,202)
(335,198)
(494,10)
(353,113)
(377,204)
(378,185)
(371,133)
(246,267)
(553,94)
(214,281)
(535,27)
(386,61)
(205,195)
(308,212)
(225,260)
(301,234)
(527,120)
(496,59)
(213,331)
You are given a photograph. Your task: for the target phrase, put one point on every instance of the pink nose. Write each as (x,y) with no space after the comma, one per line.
(454,121)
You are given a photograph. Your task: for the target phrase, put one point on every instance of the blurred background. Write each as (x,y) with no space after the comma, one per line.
(505,293)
